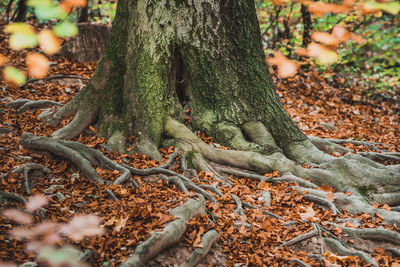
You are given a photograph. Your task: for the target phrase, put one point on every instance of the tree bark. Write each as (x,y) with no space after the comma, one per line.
(164,56)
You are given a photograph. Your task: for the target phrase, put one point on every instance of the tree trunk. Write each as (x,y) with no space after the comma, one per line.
(165,57)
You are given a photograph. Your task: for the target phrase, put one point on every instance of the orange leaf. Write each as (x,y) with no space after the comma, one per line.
(325,38)
(3,59)
(49,42)
(38,65)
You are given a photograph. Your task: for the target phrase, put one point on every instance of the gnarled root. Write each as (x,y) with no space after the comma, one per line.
(171,234)
(207,241)
(352,173)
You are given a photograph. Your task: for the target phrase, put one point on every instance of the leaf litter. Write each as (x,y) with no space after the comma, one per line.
(253,239)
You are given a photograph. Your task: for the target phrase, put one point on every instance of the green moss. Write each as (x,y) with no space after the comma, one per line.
(189,159)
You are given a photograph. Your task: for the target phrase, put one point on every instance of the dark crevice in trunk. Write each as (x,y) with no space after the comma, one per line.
(180,82)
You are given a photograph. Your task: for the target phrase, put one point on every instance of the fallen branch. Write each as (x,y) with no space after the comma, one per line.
(171,234)
(198,254)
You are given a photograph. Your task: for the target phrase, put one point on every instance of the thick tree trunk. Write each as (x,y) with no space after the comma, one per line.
(165,56)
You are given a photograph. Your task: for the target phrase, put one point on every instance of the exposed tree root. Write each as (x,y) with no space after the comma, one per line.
(171,234)
(381,156)
(371,233)
(55,77)
(30,167)
(337,247)
(355,205)
(207,241)
(26,104)
(239,207)
(270,214)
(299,262)
(328,146)
(300,238)
(352,173)
(11,196)
(393,251)
(368,144)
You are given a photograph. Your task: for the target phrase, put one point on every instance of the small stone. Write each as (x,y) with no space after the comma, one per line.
(68,90)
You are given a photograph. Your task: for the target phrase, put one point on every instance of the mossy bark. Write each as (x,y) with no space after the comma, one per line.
(165,56)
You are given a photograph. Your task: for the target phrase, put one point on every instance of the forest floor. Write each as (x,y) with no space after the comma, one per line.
(324,107)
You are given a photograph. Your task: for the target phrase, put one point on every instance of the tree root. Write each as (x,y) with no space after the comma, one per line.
(328,146)
(25,104)
(368,144)
(207,241)
(322,201)
(270,214)
(371,233)
(11,196)
(57,76)
(239,207)
(81,155)
(171,234)
(355,204)
(186,170)
(381,156)
(337,247)
(393,251)
(26,169)
(299,262)
(300,238)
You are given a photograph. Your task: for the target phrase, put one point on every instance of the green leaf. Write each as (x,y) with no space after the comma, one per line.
(15,75)
(49,12)
(19,27)
(20,41)
(65,29)
(36,3)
